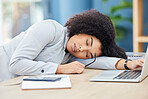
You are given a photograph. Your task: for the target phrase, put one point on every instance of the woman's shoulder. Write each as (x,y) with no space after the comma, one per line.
(46,26)
(57,25)
(48,22)
(54,22)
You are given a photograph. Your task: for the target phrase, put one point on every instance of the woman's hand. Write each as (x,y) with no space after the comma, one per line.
(73,67)
(132,65)
(135,64)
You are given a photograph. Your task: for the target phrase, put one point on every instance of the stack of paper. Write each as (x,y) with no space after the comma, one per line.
(64,82)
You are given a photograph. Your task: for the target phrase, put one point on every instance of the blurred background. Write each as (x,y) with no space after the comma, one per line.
(18,15)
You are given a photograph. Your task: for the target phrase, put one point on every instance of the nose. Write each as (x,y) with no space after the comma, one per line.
(84,48)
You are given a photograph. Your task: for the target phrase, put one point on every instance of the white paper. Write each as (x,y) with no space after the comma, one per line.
(63,83)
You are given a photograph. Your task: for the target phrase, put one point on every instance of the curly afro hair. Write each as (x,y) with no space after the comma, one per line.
(94,23)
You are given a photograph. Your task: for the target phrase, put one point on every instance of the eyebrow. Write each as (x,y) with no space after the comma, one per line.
(91,41)
(91,46)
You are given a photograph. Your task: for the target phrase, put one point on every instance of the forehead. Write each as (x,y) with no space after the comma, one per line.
(84,35)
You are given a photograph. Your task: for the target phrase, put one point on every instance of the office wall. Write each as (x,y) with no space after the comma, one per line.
(61,10)
(127,42)
(1,40)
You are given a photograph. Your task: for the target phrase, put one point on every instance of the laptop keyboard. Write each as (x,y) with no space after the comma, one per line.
(128,75)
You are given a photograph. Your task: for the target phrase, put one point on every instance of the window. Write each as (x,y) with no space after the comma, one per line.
(18,15)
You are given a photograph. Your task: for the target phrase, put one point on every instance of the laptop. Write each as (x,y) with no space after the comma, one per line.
(124,75)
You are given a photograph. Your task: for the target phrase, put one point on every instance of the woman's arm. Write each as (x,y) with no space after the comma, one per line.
(132,65)
(100,63)
(36,38)
(104,62)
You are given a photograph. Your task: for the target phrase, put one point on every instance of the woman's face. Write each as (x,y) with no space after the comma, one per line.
(84,46)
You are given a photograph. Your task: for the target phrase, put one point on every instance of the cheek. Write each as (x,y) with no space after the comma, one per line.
(80,55)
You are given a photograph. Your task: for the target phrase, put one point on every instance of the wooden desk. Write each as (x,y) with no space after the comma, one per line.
(82,88)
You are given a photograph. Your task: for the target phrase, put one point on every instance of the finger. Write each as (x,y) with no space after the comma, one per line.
(138,68)
(141,60)
(80,71)
(140,64)
(80,64)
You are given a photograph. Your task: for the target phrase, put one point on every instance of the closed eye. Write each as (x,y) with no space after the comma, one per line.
(91,55)
(87,42)
(86,53)
(91,41)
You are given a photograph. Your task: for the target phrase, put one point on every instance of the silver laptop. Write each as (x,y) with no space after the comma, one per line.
(124,75)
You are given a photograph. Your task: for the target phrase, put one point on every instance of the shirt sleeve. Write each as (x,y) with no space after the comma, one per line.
(102,62)
(36,38)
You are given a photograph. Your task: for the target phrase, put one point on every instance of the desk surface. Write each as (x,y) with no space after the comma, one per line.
(82,88)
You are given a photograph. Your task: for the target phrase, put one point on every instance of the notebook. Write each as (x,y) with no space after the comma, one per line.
(124,75)
(63,82)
